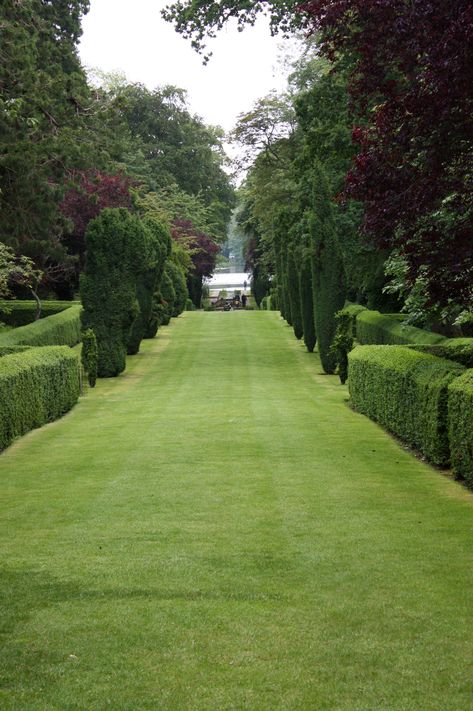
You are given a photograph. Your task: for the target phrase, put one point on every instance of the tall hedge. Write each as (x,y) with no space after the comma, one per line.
(328,276)
(307,304)
(61,329)
(460,426)
(36,386)
(116,251)
(407,393)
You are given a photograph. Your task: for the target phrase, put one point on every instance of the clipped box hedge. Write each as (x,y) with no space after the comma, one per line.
(406,392)
(458,349)
(62,329)
(21,312)
(36,386)
(373,327)
(460,426)
(8,350)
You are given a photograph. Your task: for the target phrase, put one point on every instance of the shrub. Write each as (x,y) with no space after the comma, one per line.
(89,356)
(307,304)
(375,328)
(36,387)
(116,252)
(406,392)
(190,306)
(62,329)
(460,426)
(19,313)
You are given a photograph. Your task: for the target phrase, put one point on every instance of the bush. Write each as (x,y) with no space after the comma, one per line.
(62,329)
(406,392)
(19,313)
(36,387)
(168,297)
(460,426)
(375,328)
(189,305)
(89,356)
(458,349)
(116,253)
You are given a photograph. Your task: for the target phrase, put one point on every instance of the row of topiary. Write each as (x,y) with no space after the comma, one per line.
(130,287)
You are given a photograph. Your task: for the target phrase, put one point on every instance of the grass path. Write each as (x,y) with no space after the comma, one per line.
(216,529)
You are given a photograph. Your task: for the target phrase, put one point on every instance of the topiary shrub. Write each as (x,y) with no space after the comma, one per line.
(406,392)
(375,328)
(116,252)
(89,356)
(163,245)
(36,386)
(307,304)
(62,329)
(180,288)
(168,297)
(293,286)
(328,276)
(147,281)
(460,426)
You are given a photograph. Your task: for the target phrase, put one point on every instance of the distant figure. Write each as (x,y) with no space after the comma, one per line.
(244,299)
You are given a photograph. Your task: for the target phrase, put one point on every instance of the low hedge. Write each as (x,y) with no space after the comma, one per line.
(19,313)
(460,426)
(406,392)
(373,327)
(36,387)
(8,350)
(349,315)
(458,349)
(62,329)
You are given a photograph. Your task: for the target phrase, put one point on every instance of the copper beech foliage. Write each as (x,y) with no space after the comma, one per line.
(412,86)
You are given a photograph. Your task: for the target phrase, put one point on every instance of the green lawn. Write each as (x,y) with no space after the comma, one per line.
(216,529)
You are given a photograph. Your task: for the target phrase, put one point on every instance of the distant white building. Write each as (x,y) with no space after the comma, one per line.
(236,281)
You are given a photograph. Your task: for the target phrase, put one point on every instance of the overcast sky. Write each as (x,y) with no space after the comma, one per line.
(129,35)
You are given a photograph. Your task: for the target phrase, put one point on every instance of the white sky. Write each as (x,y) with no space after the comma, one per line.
(130,36)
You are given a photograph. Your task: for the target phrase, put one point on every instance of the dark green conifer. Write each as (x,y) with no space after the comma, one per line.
(116,251)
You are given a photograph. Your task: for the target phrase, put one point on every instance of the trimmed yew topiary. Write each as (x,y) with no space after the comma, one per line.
(307,304)
(89,356)
(116,252)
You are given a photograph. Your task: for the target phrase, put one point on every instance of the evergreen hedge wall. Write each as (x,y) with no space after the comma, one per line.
(460,426)
(62,329)
(373,327)
(36,386)
(406,392)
